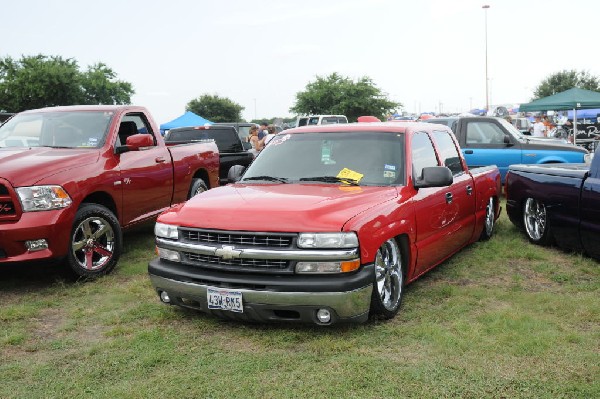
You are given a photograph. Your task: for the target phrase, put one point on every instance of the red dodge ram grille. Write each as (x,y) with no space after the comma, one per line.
(8,208)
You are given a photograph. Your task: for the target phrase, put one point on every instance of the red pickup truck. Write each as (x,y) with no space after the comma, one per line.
(327,225)
(72,177)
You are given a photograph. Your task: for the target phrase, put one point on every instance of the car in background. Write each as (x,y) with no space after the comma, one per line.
(242,128)
(320,120)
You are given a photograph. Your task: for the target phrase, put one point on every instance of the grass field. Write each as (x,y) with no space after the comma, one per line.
(501,319)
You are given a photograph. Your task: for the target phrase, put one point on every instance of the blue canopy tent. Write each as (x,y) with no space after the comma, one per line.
(187,119)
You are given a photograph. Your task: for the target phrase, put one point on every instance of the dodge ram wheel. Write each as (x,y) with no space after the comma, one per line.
(198,186)
(488,228)
(535,221)
(96,241)
(388,286)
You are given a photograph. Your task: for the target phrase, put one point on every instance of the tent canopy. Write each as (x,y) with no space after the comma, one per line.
(187,119)
(574,98)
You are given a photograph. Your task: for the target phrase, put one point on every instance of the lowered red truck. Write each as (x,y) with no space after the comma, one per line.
(327,225)
(71,178)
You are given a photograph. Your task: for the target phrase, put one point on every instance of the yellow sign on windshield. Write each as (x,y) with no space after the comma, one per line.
(350,174)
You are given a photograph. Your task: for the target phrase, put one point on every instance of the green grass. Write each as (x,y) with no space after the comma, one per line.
(501,319)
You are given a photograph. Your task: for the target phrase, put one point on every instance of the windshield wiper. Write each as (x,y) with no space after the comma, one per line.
(332,179)
(267,178)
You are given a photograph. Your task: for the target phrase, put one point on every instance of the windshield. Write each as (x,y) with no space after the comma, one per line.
(73,129)
(364,158)
(511,129)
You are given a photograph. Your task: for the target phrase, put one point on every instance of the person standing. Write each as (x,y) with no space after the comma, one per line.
(539,129)
(263,130)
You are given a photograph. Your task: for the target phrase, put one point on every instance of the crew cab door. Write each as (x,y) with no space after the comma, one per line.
(483,143)
(437,210)
(146,175)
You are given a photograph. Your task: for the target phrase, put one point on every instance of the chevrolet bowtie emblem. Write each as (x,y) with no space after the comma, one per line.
(227,252)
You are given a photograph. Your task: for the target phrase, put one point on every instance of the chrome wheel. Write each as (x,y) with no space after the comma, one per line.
(488,228)
(535,220)
(93,243)
(389,280)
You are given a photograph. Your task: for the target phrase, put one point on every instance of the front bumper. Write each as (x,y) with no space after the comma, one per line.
(54,226)
(271,298)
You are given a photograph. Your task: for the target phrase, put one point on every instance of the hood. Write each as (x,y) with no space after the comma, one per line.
(549,143)
(27,166)
(277,207)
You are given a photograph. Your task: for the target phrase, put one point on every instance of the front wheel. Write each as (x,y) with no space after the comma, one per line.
(96,241)
(535,220)
(388,285)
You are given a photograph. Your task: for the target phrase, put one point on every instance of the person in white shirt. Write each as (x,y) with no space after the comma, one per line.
(539,129)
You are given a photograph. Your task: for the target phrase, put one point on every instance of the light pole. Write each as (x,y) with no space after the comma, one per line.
(487,97)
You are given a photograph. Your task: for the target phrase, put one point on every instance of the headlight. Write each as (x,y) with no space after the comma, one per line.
(166,231)
(43,198)
(327,240)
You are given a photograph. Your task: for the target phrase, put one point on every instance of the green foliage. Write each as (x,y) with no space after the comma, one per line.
(215,108)
(45,81)
(338,95)
(565,80)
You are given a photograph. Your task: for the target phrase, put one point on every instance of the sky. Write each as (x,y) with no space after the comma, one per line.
(429,55)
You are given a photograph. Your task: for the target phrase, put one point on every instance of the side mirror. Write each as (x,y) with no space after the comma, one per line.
(508,141)
(135,142)
(246,145)
(435,176)
(235,173)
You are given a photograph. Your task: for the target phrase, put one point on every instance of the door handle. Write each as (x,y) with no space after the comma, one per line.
(468,151)
(159,160)
(448,198)
(469,190)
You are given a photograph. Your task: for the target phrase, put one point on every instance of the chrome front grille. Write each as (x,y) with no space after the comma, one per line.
(257,264)
(268,240)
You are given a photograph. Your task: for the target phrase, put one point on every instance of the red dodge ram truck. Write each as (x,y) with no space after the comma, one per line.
(327,225)
(72,177)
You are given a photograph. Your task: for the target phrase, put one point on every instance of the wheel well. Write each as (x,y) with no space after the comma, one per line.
(202,174)
(102,198)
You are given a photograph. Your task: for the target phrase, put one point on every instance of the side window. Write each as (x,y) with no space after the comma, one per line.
(133,124)
(226,140)
(423,154)
(448,153)
(484,133)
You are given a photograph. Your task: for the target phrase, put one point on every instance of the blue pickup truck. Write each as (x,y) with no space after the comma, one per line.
(494,141)
(557,204)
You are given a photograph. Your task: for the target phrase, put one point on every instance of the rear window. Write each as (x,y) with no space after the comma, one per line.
(227,140)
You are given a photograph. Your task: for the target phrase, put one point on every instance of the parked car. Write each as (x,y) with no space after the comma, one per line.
(243,129)
(557,204)
(93,171)
(232,151)
(327,225)
(487,140)
(320,120)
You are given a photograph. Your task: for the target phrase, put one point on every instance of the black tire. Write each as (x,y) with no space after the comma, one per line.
(198,186)
(96,242)
(388,281)
(490,220)
(535,221)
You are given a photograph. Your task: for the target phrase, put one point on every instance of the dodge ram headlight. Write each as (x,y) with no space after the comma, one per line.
(166,231)
(327,240)
(43,198)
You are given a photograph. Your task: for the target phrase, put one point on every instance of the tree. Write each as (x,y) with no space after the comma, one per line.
(337,95)
(565,80)
(215,108)
(44,81)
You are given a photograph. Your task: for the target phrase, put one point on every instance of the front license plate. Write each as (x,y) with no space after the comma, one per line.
(219,298)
